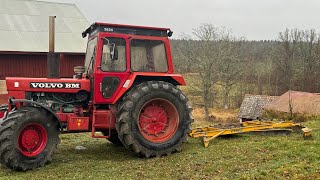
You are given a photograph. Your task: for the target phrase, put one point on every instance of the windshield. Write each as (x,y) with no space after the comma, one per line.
(90,55)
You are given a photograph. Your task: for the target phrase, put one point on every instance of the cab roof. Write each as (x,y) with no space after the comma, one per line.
(126,29)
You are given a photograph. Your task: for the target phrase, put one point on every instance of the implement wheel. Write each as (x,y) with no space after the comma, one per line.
(28,138)
(154,119)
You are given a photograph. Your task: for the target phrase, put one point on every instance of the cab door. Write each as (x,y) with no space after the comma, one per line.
(112,67)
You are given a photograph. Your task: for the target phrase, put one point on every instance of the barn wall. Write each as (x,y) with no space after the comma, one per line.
(35,65)
(67,62)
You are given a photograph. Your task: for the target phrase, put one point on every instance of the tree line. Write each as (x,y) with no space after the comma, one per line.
(220,67)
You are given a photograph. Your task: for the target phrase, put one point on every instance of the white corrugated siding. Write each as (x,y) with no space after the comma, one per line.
(24,26)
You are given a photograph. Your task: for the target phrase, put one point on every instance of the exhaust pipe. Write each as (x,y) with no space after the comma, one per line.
(53,59)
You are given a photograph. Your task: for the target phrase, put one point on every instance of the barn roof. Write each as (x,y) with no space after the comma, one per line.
(24,26)
(252,105)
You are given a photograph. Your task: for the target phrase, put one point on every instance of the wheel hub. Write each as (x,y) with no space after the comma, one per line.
(158,120)
(153,120)
(32,140)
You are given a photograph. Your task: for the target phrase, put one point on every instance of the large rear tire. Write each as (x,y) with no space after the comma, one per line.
(28,138)
(154,119)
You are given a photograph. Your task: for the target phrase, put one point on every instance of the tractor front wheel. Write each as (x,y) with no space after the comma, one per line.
(154,119)
(28,138)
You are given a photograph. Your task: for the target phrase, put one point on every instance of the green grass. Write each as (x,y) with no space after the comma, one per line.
(243,156)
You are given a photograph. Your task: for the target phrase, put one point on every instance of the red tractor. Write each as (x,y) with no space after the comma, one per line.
(126,92)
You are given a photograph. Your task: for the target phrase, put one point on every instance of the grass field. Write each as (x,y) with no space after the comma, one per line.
(243,156)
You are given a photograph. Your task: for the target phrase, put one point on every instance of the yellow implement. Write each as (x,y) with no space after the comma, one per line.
(209,133)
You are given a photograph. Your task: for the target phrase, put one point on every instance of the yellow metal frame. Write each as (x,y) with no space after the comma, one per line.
(209,133)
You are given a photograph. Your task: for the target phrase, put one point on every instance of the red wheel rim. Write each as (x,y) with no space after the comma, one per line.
(32,139)
(158,120)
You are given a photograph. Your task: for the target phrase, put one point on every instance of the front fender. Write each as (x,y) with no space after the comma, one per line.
(29,102)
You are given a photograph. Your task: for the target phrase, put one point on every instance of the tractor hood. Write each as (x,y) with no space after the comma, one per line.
(63,85)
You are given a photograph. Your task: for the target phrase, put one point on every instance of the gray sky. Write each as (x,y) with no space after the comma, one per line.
(253,19)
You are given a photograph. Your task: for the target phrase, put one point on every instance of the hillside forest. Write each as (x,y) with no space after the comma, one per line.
(220,68)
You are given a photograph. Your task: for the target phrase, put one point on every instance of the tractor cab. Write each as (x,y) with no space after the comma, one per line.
(117,52)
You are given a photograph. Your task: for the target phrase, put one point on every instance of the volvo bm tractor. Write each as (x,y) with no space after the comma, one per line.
(126,91)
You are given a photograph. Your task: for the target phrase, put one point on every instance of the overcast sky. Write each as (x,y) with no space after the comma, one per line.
(253,19)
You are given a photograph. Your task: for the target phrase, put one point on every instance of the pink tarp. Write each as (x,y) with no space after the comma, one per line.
(302,102)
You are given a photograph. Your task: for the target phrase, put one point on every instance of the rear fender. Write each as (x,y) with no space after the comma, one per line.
(29,103)
(137,78)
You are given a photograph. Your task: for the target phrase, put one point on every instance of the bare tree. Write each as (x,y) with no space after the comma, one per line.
(205,57)
(309,62)
(286,59)
(216,58)
(207,60)
(184,53)
(230,64)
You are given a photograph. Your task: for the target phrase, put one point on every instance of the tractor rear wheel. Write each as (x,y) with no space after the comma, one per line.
(28,138)
(154,119)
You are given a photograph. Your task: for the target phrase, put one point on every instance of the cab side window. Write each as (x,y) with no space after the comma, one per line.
(113,55)
(148,56)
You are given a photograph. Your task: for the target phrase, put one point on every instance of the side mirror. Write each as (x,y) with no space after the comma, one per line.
(113,52)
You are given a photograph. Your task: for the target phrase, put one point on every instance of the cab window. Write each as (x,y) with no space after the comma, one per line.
(90,54)
(148,56)
(113,55)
